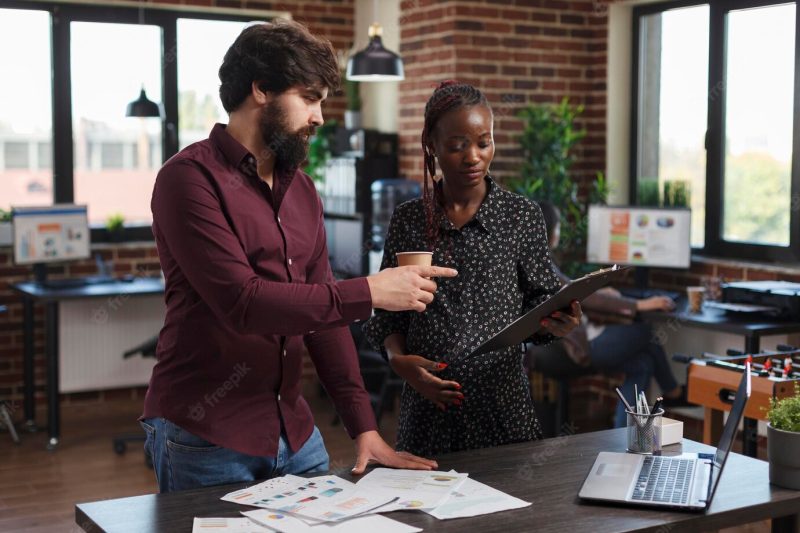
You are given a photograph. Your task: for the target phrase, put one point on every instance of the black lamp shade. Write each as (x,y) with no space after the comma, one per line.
(142,107)
(375,63)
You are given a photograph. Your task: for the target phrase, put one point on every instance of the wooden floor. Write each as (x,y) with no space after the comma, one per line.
(38,489)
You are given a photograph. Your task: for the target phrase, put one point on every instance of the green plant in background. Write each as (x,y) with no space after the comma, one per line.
(647,193)
(319,152)
(115,223)
(5,216)
(352,95)
(784,414)
(547,141)
(677,193)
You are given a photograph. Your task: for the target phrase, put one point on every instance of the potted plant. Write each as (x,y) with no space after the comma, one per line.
(677,193)
(115,225)
(352,115)
(6,232)
(547,142)
(647,192)
(319,151)
(783,441)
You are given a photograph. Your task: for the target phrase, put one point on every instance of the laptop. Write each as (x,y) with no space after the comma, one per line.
(685,481)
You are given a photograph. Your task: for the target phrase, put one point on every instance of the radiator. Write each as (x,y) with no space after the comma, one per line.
(94,334)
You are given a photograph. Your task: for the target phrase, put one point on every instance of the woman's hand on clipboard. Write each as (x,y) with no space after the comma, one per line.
(560,323)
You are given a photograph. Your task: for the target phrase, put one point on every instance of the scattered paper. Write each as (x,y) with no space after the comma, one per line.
(226,525)
(414,489)
(473,498)
(284,523)
(323,498)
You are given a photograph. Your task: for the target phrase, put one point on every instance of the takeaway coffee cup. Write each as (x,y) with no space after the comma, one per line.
(414,258)
(695,295)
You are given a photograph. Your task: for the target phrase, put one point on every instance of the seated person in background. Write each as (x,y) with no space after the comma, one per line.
(608,340)
(498,243)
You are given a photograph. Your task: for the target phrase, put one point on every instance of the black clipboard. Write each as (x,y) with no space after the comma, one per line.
(529,323)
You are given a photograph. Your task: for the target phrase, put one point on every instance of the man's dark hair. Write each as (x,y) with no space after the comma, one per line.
(279,55)
(551,215)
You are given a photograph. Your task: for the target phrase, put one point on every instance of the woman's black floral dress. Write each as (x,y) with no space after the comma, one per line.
(504,265)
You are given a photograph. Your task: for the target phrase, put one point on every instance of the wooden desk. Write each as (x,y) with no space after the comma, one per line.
(752,328)
(34,292)
(547,473)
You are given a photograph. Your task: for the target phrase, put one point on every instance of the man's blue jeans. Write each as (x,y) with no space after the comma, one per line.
(184,461)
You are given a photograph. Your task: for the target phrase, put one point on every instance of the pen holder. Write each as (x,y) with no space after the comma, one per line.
(644,432)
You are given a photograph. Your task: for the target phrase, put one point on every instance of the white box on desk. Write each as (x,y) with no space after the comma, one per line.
(671,431)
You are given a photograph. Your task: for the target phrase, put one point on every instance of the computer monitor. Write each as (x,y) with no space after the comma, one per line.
(640,236)
(50,234)
(346,248)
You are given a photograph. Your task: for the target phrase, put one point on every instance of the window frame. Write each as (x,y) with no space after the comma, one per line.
(62,14)
(714,243)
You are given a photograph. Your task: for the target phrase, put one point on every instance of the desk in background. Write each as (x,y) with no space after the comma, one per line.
(32,293)
(752,328)
(547,473)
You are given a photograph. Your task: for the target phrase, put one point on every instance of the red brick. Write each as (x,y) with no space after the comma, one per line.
(126,253)
(527,29)
(511,70)
(485,40)
(553,85)
(543,17)
(526,84)
(547,72)
(572,19)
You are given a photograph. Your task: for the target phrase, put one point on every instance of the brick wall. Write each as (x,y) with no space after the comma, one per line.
(332,19)
(518,52)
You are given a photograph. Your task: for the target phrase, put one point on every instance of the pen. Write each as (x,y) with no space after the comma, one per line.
(657,405)
(624,401)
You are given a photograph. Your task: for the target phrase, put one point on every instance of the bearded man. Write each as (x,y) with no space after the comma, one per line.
(240,236)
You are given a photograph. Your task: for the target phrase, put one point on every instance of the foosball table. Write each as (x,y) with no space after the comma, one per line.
(713,380)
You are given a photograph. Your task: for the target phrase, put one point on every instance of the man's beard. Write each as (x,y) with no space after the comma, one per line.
(290,148)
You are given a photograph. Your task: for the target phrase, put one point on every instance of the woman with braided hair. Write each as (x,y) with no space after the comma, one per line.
(498,243)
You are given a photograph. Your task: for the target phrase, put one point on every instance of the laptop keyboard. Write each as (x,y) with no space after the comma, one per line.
(664,480)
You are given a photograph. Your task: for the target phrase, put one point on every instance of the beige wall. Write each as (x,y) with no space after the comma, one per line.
(379,99)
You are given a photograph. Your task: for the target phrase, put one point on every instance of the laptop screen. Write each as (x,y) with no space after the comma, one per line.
(729,432)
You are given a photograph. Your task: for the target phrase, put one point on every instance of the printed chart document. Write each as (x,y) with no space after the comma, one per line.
(473,498)
(266,491)
(323,498)
(284,523)
(414,489)
(225,525)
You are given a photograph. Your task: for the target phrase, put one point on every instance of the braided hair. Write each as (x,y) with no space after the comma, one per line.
(449,95)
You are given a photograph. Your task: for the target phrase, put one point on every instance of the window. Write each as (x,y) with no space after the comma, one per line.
(64,136)
(44,155)
(15,154)
(25,108)
(714,115)
(758,125)
(110,62)
(202,45)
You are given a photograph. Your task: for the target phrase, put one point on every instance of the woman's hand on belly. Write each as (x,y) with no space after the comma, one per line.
(418,372)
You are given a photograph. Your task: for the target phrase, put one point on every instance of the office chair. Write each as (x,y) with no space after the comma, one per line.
(382,384)
(120,442)
(5,414)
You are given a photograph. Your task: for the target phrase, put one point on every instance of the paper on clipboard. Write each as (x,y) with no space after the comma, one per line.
(529,323)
